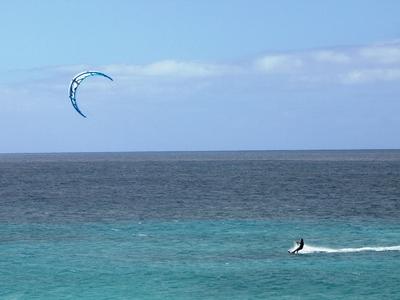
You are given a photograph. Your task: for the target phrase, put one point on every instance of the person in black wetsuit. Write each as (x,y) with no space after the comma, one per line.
(301,245)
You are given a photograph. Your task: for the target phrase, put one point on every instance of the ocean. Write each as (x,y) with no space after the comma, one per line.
(200,225)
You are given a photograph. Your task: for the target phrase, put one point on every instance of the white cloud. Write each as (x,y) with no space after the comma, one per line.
(331,56)
(371,75)
(171,68)
(279,63)
(386,54)
(351,65)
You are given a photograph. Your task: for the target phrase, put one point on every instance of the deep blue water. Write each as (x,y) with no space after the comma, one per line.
(200,225)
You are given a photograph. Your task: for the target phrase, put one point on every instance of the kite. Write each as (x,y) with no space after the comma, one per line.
(76,81)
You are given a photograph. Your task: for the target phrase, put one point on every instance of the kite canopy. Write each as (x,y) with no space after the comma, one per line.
(76,81)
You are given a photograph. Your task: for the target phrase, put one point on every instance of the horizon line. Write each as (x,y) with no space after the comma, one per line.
(197,151)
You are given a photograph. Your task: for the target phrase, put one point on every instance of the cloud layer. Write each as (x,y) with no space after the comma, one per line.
(316,68)
(344,66)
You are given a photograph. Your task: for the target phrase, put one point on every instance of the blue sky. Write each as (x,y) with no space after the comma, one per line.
(205,75)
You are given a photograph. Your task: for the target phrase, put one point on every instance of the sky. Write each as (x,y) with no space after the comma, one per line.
(200,75)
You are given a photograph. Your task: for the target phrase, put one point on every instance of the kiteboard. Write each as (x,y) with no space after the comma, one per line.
(290,251)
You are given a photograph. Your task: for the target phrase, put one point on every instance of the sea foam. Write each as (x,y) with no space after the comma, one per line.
(307,249)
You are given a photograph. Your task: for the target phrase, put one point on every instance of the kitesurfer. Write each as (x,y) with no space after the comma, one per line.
(301,245)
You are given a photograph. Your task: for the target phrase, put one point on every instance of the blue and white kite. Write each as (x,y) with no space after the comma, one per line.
(76,81)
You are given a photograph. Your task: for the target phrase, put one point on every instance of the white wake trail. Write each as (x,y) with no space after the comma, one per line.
(313,249)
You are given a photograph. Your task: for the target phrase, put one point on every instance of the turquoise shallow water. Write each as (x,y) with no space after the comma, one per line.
(212,225)
(197,260)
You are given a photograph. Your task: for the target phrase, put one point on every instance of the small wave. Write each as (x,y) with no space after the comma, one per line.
(313,249)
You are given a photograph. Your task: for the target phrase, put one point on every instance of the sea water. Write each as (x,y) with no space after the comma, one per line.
(200,225)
